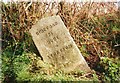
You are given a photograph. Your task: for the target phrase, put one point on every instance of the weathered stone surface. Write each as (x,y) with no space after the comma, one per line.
(56,45)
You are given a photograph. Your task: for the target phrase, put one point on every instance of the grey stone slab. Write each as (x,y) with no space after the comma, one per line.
(56,45)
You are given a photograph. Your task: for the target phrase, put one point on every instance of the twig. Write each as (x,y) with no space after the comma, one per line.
(28,5)
(117,45)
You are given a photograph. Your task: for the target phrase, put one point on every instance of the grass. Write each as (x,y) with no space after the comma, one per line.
(96,34)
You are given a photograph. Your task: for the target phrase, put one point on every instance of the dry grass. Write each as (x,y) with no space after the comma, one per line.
(89,24)
(82,19)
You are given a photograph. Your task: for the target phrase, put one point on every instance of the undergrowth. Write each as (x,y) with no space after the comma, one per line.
(97,34)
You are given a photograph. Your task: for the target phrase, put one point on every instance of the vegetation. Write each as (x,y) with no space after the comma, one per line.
(96,33)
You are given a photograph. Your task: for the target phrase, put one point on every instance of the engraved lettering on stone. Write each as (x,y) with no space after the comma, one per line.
(46,28)
(49,34)
(50,41)
(59,51)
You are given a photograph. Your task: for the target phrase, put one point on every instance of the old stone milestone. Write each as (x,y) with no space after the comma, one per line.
(56,45)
